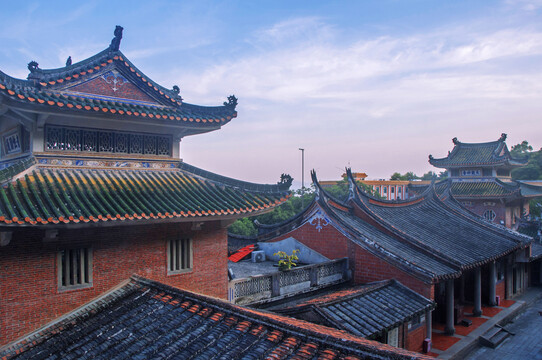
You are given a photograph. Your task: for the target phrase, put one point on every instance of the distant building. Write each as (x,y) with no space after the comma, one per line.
(480,178)
(93,190)
(387,189)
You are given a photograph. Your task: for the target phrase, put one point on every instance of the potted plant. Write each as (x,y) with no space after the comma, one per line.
(287,261)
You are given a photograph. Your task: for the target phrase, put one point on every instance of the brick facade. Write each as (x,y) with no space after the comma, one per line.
(29,294)
(365,267)
(415,337)
(100,87)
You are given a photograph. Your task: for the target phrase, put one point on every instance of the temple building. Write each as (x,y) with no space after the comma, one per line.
(93,189)
(430,243)
(480,178)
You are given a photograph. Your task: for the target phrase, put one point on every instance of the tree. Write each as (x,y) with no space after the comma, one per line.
(531,171)
(407,176)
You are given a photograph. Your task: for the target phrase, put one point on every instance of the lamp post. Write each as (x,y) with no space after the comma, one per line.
(302,175)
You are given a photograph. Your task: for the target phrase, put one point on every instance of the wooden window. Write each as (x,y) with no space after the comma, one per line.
(74,268)
(179,256)
(490,215)
(393,337)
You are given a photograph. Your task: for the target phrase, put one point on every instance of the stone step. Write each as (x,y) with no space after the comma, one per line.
(494,336)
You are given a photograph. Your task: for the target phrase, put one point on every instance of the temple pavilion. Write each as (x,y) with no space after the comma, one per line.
(92,189)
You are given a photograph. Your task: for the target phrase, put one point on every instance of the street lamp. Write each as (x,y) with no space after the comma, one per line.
(302,175)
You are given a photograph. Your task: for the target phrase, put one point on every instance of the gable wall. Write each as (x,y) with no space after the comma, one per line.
(365,266)
(29,297)
(124,90)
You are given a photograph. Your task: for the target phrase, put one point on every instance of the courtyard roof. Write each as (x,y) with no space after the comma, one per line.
(145,319)
(62,191)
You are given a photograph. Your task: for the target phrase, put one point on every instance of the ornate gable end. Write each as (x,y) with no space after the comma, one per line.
(110,83)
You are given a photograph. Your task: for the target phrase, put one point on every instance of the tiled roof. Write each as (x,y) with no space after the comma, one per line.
(47,194)
(15,168)
(49,90)
(411,257)
(536,251)
(483,189)
(368,310)
(450,233)
(148,320)
(477,154)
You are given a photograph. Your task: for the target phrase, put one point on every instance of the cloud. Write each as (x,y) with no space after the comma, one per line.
(382,103)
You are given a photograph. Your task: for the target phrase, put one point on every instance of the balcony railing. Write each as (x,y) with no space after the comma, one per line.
(262,288)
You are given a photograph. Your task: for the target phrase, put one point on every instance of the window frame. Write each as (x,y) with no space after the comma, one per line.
(60,268)
(491,214)
(169,262)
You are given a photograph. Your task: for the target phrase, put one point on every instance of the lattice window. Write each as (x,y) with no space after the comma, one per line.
(105,140)
(71,139)
(12,143)
(294,277)
(90,142)
(121,143)
(54,138)
(150,144)
(490,215)
(136,144)
(74,268)
(179,255)
(330,269)
(253,286)
(164,146)
(77,139)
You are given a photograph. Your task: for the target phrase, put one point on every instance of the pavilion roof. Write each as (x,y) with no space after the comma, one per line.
(492,153)
(366,310)
(122,90)
(59,191)
(146,319)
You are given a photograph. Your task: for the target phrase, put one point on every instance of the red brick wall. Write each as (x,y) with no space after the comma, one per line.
(29,297)
(415,338)
(365,266)
(369,268)
(100,87)
(328,241)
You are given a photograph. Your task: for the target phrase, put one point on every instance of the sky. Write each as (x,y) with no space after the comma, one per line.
(373,85)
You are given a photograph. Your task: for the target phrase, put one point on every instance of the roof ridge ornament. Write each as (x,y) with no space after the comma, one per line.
(115,42)
(69,61)
(33,66)
(455,141)
(503,137)
(232,102)
(285,181)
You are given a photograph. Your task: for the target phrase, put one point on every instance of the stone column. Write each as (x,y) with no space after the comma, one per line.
(428,324)
(449,329)
(462,289)
(492,283)
(477,292)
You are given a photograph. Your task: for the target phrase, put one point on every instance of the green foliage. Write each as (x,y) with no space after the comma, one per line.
(407,176)
(287,261)
(244,226)
(531,171)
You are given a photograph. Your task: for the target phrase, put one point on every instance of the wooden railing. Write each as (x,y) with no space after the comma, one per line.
(262,288)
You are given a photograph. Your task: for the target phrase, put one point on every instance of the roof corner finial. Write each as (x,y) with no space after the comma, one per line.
(455,141)
(285,181)
(351,183)
(503,137)
(115,43)
(232,102)
(176,89)
(314,179)
(69,61)
(430,157)
(33,66)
